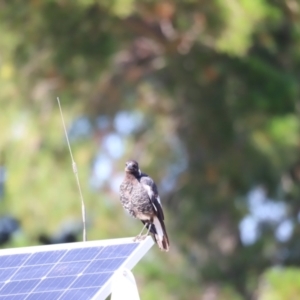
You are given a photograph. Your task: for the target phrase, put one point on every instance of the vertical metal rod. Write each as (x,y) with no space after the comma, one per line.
(74,167)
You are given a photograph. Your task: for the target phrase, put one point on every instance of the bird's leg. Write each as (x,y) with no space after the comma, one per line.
(149,229)
(145,235)
(140,234)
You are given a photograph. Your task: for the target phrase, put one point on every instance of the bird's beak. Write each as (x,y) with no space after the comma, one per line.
(129,168)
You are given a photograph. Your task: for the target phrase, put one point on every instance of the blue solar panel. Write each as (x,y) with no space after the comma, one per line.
(67,271)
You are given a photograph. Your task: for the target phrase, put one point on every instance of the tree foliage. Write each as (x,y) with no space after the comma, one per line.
(204,94)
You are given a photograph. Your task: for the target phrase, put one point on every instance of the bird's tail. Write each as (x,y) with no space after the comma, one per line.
(160,235)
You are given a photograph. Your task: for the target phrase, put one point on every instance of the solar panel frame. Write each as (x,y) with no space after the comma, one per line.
(129,263)
(105,289)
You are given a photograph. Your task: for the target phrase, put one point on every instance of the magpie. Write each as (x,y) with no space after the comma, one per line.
(139,197)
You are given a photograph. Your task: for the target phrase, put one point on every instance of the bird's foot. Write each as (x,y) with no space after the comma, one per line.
(139,238)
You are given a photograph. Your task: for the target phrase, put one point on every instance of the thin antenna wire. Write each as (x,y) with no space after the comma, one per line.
(74,166)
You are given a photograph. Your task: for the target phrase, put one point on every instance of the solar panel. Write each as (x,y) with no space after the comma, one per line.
(81,270)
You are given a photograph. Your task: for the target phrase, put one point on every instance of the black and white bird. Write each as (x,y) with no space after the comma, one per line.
(139,197)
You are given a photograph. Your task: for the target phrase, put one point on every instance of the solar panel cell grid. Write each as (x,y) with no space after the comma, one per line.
(82,254)
(18,287)
(33,272)
(77,273)
(8,261)
(45,296)
(65,269)
(44,258)
(79,294)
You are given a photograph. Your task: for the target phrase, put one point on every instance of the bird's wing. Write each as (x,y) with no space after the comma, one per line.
(151,188)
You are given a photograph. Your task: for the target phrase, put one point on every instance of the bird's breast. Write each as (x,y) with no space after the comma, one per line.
(135,200)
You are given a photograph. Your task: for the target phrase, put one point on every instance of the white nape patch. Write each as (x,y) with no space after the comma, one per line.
(140,173)
(160,233)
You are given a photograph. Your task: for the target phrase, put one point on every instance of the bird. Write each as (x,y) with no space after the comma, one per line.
(139,197)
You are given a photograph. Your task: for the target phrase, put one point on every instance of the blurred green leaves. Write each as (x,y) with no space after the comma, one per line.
(280,283)
(241,19)
(215,86)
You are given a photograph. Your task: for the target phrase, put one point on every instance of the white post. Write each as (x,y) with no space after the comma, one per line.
(124,286)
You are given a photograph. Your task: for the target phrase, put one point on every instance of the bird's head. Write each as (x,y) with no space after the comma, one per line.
(132,167)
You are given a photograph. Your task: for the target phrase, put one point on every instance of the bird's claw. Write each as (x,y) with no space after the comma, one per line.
(139,238)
